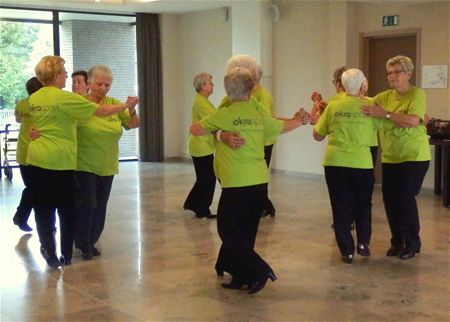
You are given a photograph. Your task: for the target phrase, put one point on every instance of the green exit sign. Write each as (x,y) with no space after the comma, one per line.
(390,21)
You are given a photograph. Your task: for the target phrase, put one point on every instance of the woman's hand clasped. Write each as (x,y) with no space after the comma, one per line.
(374,110)
(232,139)
(131,102)
(33,133)
(302,116)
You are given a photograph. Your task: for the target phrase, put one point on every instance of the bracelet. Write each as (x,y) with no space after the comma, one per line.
(218,135)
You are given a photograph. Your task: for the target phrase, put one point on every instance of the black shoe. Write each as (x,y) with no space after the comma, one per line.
(86,254)
(66,260)
(209,216)
(347,259)
(95,252)
(394,251)
(407,254)
(260,284)
(50,258)
(235,284)
(363,250)
(22,225)
(268,212)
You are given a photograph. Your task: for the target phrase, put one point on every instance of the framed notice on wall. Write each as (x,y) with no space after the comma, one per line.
(434,76)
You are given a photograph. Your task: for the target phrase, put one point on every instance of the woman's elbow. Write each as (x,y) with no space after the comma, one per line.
(197,130)
(135,124)
(100,111)
(318,137)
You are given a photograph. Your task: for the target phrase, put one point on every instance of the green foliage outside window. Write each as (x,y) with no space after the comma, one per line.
(16,46)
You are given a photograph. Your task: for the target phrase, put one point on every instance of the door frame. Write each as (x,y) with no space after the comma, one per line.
(365,37)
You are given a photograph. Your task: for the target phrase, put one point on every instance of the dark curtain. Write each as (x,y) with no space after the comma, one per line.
(148,46)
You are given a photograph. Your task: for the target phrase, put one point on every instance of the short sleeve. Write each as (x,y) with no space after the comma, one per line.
(322,125)
(418,104)
(76,106)
(272,127)
(214,121)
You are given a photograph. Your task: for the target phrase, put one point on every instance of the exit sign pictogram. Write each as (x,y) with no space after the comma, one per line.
(390,21)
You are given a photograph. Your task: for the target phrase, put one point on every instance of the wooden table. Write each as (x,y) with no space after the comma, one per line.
(442,169)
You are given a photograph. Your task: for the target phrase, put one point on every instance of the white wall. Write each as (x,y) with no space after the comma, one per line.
(173,136)
(301,55)
(309,41)
(194,42)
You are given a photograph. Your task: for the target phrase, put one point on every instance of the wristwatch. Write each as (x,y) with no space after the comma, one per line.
(388,115)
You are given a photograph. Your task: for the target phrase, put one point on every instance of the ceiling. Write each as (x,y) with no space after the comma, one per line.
(150,6)
(122,6)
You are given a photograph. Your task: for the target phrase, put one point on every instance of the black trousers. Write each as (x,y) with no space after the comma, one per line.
(92,198)
(201,196)
(401,184)
(350,193)
(374,153)
(25,206)
(53,190)
(239,213)
(269,207)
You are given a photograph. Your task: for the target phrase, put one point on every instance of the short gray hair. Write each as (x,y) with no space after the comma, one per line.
(238,83)
(99,70)
(200,79)
(352,80)
(403,61)
(245,61)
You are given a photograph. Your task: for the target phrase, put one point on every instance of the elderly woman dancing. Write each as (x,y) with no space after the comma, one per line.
(52,158)
(98,155)
(405,155)
(244,176)
(348,163)
(201,149)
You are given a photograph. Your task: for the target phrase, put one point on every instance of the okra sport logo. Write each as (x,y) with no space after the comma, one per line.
(246,122)
(349,114)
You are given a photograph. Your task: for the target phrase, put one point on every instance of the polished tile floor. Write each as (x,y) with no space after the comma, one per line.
(157,261)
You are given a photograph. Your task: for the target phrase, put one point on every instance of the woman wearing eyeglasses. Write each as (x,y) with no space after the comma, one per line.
(405,154)
(52,156)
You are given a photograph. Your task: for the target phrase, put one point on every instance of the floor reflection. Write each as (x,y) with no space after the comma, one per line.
(157,260)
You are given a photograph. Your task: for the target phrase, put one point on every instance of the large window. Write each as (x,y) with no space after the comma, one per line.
(83,39)
(22,42)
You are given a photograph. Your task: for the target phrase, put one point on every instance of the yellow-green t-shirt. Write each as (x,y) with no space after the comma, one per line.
(335,97)
(349,133)
(264,99)
(341,95)
(200,146)
(22,112)
(55,113)
(244,166)
(404,144)
(98,141)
